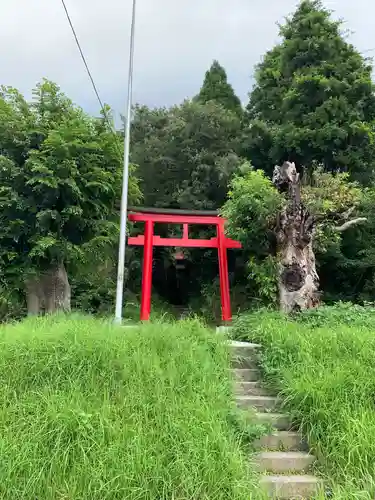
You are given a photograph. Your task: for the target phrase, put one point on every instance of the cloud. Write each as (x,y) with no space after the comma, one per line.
(176,41)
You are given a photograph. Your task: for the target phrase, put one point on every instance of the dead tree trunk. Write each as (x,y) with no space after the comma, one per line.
(298,279)
(49,291)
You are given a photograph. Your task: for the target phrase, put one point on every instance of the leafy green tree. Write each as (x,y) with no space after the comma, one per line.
(216,88)
(290,221)
(251,210)
(351,259)
(185,157)
(185,154)
(60,179)
(313,100)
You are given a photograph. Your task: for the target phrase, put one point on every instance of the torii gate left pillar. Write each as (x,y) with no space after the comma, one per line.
(148,240)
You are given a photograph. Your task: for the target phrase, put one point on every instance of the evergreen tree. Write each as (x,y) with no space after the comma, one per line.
(313,101)
(216,88)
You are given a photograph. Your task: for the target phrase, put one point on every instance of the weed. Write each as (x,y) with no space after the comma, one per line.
(322,362)
(93,411)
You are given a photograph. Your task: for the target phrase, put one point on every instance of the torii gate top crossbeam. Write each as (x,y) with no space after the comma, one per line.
(185,221)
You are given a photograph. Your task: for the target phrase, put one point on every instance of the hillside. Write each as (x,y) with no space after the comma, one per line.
(94,411)
(322,364)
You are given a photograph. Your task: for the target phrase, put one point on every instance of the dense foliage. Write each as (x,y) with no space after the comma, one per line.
(352,260)
(313,99)
(60,179)
(313,102)
(252,211)
(186,154)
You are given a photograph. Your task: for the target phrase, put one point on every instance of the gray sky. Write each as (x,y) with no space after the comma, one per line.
(176,41)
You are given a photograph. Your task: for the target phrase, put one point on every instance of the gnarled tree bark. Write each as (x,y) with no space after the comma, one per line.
(298,279)
(49,291)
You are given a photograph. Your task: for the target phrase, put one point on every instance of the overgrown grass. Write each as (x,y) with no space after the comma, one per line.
(323,362)
(93,411)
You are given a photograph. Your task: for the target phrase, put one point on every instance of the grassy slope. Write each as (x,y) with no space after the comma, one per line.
(91,411)
(324,364)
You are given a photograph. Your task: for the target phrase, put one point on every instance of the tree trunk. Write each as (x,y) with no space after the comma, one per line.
(49,292)
(298,279)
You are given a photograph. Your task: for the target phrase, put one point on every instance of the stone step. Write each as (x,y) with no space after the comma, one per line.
(246,374)
(260,403)
(279,462)
(245,362)
(244,354)
(279,421)
(243,349)
(288,487)
(224,330)
(281,441)
(250,389)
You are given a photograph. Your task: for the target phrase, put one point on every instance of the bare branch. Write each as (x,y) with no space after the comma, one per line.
(350,223)
(348,213)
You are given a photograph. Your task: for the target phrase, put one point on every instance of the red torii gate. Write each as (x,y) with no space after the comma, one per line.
(185,218)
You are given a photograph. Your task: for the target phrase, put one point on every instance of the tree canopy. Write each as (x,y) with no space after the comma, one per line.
(216,88)
(185,154)
(313,104)
(60,180)
(313,100)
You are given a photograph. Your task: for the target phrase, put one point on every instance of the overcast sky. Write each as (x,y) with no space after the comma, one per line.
(176,41)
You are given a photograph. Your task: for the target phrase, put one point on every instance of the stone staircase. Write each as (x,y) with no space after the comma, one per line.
(282,456)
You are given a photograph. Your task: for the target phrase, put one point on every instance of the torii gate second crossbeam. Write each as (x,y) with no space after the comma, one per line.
(149,240)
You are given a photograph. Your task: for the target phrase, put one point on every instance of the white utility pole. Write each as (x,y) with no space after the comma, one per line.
(125,179)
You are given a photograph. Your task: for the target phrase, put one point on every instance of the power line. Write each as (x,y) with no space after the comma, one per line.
(125,177)
(88,69)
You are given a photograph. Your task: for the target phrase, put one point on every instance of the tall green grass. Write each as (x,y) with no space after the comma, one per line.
(323,363)
(89,411)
